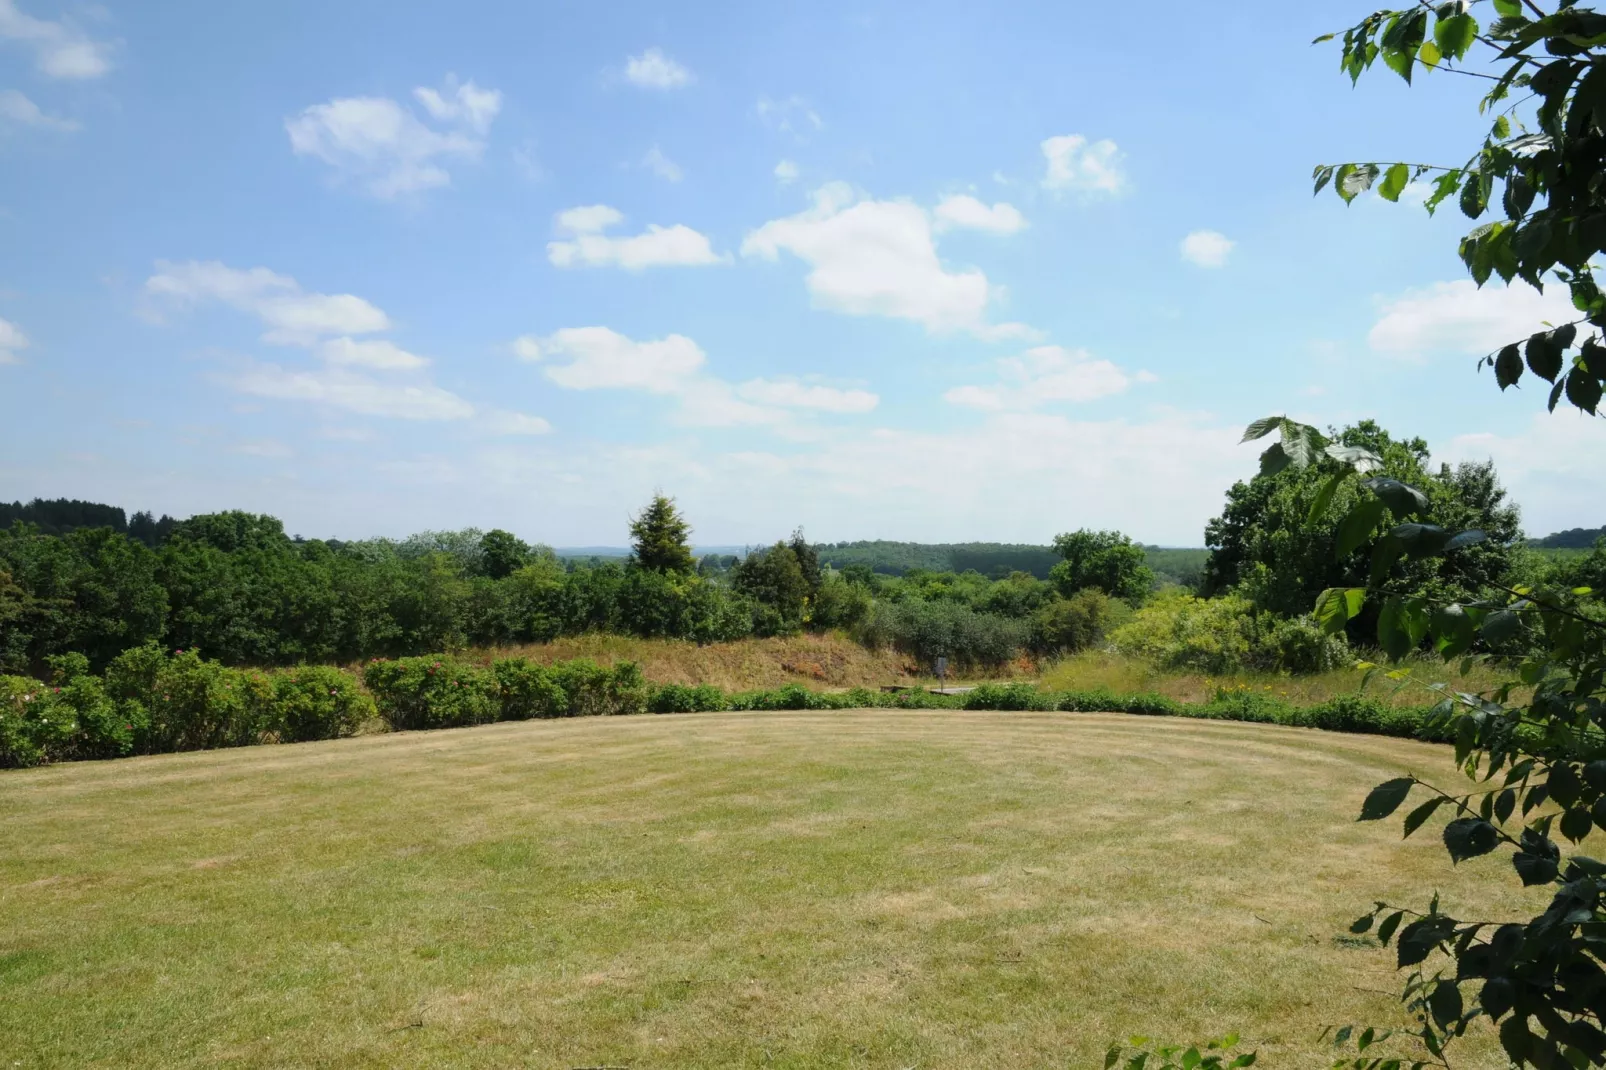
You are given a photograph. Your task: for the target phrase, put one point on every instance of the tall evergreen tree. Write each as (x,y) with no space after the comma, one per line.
(659,538)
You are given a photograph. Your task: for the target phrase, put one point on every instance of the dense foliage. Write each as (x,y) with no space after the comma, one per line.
(150,700)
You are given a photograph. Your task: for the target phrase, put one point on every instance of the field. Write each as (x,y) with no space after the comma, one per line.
(862,889)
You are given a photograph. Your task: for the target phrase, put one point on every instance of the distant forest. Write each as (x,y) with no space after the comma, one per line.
(1571,539)
(63,515)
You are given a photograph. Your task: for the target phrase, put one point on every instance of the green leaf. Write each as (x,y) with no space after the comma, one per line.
(1429,55)
(1386,798)
(1324,498)
(1576,823)
(1401,498)
(1583,390)
(1274,460)
(1112,1056)
(1455,35)
(1357,457)
(1544,355)
(1322,176)
(1414,819)
(1336,606)
(1390,923)
(1300,442)
(1469,837)
(1500,626)
(1358,525)
(1262,427)
(1510,9)
(1394,182)
(1356,180)
(1508,366)
(1502,128)
(1462,539)
(1443,187)
(1473,201)
(1362,924)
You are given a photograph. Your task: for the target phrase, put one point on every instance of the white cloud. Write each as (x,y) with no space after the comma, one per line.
(378,143)
(1081,166)
(963,210)
(291,315)
(599,358)
(790,115)
(786,171)
(19,110)
(1552,466)
(341,388)
(662,166)
(11,340)
(869,257)
(371,353)
(1044,374)
(1206,248)
(658,246)
(1458,317)
(61,49)
(466,104)
(791,394)
(324,323)
(499,422)
(654,70)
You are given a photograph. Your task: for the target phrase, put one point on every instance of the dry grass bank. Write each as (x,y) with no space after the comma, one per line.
(869,889)
(822,661)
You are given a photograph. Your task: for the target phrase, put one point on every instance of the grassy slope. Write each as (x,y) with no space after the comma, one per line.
(782,890)
(816,660)
(1097,669)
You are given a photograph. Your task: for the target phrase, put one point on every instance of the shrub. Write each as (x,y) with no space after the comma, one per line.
(1178,631)
(318,702)
(1102,700)
(184,702)
(593,690)
(678,698)
(1007,697)
(528,690)
(1297,645)
(102,730)
(927,630)
(1242,704)
(1067,625)
(34,726)
(438,692)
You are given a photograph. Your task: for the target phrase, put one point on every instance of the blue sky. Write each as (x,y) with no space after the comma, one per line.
(886,270)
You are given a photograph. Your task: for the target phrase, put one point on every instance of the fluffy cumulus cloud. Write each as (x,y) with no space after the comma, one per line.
(598,358)
(60,48)
(879,258)
(1206,248)
(590,358)
(385,148)
(1458,317)
(1077,165)
(963,210)
(585,244)
(654,70)
(12,340)
(17,110)
(366,376)
(1041,375)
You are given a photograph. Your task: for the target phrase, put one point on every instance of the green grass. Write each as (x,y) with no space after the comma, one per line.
(860,889)
(1124,675)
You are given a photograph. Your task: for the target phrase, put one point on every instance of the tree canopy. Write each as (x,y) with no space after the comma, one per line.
(660,538)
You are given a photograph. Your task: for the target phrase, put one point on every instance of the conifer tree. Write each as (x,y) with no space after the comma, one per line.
(659,538)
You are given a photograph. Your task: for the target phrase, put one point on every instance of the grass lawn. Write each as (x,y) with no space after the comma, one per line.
(862,889)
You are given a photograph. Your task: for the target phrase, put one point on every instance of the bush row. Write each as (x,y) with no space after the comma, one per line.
(152,701)
(446,692)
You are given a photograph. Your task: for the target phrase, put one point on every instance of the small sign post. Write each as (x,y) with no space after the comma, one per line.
(942,671)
